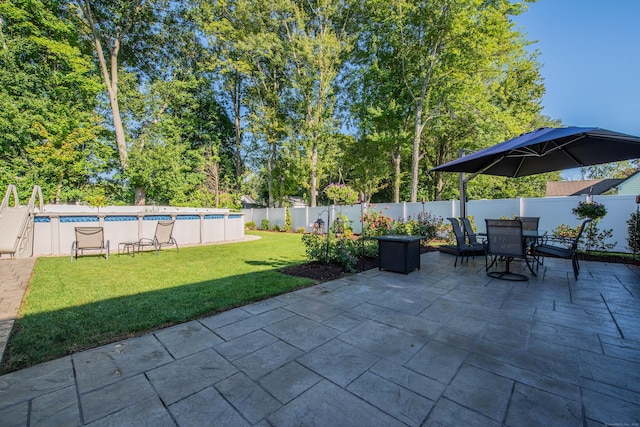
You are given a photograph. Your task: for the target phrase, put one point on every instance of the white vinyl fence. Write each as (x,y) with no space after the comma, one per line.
(552,211)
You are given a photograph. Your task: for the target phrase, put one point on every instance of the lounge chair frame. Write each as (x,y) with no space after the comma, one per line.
(163,237)
(89,239)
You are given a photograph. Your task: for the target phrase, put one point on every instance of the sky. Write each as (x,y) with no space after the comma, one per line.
(590,56)
(589,51)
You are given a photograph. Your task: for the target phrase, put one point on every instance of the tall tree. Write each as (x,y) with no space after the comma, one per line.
(248,53)
(451,60)
(611,170)
(225,24)
(123,34)
(48,89)
(319,42)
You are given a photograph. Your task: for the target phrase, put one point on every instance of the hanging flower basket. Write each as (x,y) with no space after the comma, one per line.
(593,210)
(341,194)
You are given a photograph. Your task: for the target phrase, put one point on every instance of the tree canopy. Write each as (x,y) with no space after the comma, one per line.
(197,103)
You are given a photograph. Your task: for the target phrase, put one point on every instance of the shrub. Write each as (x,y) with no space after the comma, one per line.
(329,248)
(634,233)
(591,240)
(424,224)
(287,220)
(340,249)
(595,240)
(264,225)
(250,225)
(300,230)
(339,246)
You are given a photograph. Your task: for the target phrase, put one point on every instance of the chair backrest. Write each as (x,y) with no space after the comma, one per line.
(504,237)
(529,222)
(89,237)
(574,244)
(469,230)
(460,241)
(163,231)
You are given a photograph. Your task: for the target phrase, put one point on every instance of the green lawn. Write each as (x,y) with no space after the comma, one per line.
(70,307)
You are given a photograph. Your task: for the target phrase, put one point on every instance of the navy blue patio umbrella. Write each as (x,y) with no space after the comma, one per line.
(545,150)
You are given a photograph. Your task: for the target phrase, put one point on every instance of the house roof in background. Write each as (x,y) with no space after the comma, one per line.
(576,188)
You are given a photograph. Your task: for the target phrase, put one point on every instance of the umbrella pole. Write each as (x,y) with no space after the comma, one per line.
(463,189)
(463,196)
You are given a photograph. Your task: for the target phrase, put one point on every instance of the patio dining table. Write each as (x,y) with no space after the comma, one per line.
(526,234)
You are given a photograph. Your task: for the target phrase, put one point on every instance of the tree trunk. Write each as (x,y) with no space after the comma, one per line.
(238,130)
(212,171)
(417,140)
(396,177)
(110,77)
(59,188)
(313,182)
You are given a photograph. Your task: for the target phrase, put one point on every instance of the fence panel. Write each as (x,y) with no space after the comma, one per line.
(553,211)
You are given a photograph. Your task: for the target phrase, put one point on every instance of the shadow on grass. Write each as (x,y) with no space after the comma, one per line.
(273,263)
(37,338)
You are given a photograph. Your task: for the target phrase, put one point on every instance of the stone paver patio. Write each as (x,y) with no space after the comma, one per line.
(440,346)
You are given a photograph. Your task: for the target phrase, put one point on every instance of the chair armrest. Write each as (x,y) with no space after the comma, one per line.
(557,241)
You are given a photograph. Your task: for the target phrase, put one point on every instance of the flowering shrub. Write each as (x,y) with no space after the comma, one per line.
(341,194)
(565,232)
(374,223)
(424,224)
(340,246)
(593,210)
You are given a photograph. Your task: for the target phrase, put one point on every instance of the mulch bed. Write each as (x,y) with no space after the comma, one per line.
(321,272)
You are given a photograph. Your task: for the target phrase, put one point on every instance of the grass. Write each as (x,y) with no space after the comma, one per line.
(70,307)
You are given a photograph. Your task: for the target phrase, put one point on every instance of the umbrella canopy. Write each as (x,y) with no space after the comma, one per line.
(547,150)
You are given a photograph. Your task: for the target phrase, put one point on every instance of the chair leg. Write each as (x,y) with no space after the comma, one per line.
(528,265)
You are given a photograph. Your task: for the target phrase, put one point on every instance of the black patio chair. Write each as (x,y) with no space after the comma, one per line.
(471,235)
(529,222)
(505,241)
(562,248)
(462,248)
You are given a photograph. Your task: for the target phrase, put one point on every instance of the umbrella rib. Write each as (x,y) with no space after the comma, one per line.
(524,152)
(561,146)
(481,171)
